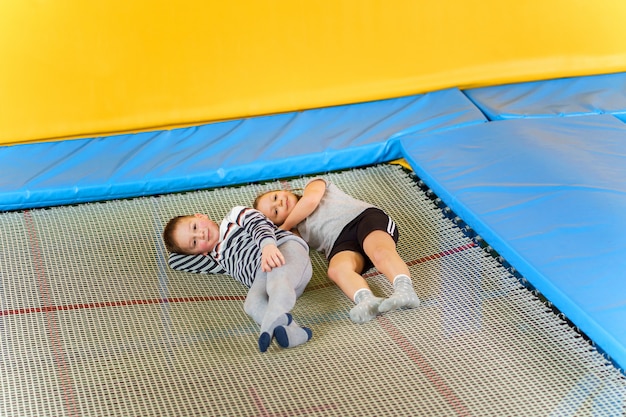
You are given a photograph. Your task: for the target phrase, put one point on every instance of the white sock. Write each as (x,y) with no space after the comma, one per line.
(403,296)
(366,307)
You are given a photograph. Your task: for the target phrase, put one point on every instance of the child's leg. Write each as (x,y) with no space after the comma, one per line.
(287,282)
(342,271)
(284,285)
(256,307)
(256,301)
(381,249)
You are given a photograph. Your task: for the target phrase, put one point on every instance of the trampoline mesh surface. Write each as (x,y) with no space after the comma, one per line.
(95,324)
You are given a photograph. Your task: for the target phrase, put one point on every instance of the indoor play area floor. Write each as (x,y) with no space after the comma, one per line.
(94,323)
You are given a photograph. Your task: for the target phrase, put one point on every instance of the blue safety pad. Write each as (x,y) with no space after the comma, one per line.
(549,195)
(579,96)
(225,153)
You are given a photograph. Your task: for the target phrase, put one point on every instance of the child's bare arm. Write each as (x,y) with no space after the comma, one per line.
(311,197)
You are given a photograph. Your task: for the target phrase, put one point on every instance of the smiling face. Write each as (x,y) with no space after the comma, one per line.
(277,205)
(196,234)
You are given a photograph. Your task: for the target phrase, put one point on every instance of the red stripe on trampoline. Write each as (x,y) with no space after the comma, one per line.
(431,374)
(122,303)
(432,257)
(65,380)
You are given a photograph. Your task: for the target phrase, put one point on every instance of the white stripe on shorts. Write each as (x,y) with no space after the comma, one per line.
(391,227)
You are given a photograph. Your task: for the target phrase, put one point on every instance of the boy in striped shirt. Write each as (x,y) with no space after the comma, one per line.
(274,264)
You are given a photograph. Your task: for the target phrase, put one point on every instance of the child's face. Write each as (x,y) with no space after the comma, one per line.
(277,205)
(196,234)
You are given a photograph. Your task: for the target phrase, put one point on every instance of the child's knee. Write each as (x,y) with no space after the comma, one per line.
(334,273)
(254,304)
(345,264)
(382,254)
(306,267)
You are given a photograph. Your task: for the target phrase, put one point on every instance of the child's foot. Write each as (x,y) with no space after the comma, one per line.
(266,337)
(292,335)
(264,341)
(403,296)
(366,308)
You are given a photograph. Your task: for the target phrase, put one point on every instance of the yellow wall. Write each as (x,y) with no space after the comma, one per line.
(73,68)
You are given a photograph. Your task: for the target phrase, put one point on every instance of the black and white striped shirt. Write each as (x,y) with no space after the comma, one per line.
(243,234)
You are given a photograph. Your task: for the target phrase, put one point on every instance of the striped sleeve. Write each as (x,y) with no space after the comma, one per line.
(259,227)
(199,264)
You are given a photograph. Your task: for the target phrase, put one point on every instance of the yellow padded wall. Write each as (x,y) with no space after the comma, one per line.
(72,68)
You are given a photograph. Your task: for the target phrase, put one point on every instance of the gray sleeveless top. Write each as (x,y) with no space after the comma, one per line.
(335,211)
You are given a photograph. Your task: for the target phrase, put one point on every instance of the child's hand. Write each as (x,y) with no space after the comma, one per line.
(271,257)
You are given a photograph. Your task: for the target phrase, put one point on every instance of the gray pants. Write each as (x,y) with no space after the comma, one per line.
(274,293)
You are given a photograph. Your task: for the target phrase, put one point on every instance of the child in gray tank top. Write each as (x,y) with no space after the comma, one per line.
(353,235)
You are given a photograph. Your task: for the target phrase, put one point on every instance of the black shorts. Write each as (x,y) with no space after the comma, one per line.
(352,236)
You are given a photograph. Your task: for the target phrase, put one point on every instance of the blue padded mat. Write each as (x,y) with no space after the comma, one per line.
(596,94)
(550,196)
(222,154)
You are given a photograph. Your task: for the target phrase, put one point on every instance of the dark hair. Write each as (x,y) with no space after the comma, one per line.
(168,235)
